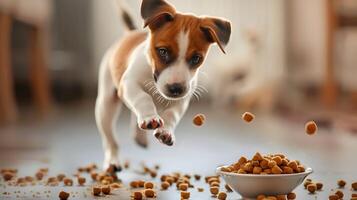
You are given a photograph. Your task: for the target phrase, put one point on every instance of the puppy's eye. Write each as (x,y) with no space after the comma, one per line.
(164,54)
(195,60)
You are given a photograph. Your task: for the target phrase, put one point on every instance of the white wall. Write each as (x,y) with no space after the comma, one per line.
(267,17)
(307,40)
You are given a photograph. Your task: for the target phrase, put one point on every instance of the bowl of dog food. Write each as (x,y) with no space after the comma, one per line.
(272,174)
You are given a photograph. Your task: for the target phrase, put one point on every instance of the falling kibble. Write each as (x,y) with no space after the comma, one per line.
(311,128)
(199,120)
(248,117)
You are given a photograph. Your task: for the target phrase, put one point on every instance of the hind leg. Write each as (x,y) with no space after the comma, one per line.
(140,135)
(107,108)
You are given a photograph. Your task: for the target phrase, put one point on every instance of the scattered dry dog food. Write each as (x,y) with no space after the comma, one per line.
(228,188)
(267,164)
(7,176)
(183,186)
(319,186)
(81,181)
(354,186)
(341,183)
(149,185)
(68,182)
(310,127)
(339,193)
(312,188)
(291,196)
(106,190)
(248,117)
(200,189)
(214,190)
(185,195)
(222,196)
(150,193)
(137,195)
(96,190)
(199,119)
(165,185)
(197,177)
(60,177)
(63,195)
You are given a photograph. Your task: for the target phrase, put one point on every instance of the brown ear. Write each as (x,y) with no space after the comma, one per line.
(217,31)
(156,13)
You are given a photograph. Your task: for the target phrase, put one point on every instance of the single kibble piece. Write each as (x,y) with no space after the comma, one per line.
(311,188)
(228,188)
(339,194)
(141,183)
(39,175)
(60,177)
(185,195)
(354,186)
(165,185)
(333,197)
(149,193)
(63,195)
(68,182)
(222,196)
(341,183)
(248,117)
(8,176)
(149,185)
(137,195)
(199,119)
(134,184)
(183,186)
(319,186)
(96,191)
(200,189)
(291,196)
(214,190)
(213,184)
(81,181)
(197,177)
(106,190)
(257,170)
(153,174)
(276,170)
(94,176)
(310,127)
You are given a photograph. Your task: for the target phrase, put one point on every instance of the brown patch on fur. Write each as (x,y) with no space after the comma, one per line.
(122,53)
(167,36)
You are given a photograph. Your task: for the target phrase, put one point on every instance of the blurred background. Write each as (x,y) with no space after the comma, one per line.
(289,61)
(285,56)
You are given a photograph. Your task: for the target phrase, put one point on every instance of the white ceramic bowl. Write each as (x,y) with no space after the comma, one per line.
(251,185)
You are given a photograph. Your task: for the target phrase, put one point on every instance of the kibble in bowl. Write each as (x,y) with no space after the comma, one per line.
(274,177)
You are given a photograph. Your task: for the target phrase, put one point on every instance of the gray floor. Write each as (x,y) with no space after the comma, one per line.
(69,139)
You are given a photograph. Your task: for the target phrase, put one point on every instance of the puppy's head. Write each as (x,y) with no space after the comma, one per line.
(179,44)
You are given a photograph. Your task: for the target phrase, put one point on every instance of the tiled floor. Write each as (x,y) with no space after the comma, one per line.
(69,139)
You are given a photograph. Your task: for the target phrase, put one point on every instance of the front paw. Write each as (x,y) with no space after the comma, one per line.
(151,123)
(165,136)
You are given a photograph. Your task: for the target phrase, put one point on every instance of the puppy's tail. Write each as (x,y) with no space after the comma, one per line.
(125,15)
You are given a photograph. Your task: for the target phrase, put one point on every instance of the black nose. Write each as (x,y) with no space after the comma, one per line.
(175,89)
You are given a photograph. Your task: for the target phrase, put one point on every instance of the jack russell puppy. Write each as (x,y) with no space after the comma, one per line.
(154,73)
